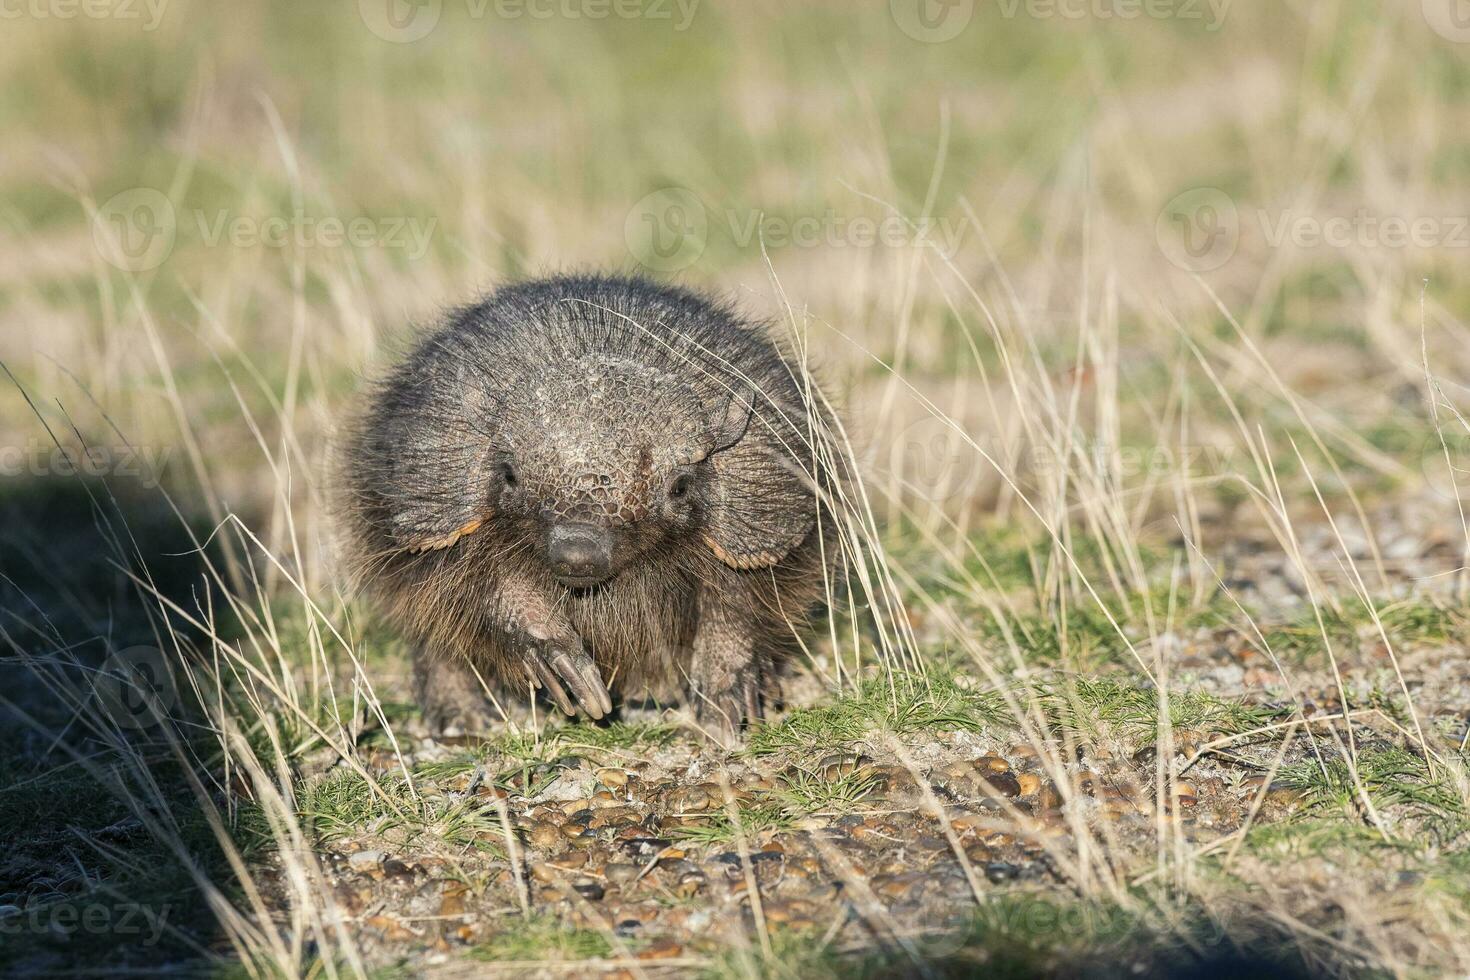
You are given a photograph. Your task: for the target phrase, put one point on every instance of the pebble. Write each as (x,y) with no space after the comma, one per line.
(1003,782)
(840,764)
(451,901)
(621,874)
(364,862)
(692,799)
(604,800)
(544,835)
(662,948)
(397,870)
(999,871)
(589,889)
(390,927)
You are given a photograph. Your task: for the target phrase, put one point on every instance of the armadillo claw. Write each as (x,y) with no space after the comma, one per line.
(581,675)
(558,668)
(546,680)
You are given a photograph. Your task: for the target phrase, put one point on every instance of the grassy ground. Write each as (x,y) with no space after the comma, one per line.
(1151,344)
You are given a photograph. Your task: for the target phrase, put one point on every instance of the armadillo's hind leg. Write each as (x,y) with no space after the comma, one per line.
(725,674)
(450,696)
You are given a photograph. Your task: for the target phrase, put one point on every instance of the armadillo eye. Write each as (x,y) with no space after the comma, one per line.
(508,474)
(679,489)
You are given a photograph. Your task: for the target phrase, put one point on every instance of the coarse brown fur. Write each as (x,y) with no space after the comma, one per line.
(591,484)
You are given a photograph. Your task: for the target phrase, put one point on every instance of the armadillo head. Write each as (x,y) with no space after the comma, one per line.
(607,459)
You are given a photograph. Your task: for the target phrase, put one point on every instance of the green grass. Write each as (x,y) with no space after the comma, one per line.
(617,736)
(1407,623)
(755,816)
(1397,781)
(542,939)
(1092,709)
(342,805)
(910,705)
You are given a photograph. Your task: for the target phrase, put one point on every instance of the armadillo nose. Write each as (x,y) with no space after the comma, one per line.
(580,554)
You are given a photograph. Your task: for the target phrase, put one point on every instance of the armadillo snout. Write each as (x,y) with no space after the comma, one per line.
(580,554)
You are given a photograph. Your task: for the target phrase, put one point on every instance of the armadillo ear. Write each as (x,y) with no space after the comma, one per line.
(732,422)
(762,504)
(429,469)
(448,503)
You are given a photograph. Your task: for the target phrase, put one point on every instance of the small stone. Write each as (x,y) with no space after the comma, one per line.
(352,898)
(397,870)
(1051,797)
(621,874)
(589,889)
(612,817)
(991,764)
(895,886)
(1282,795)
(390,927)
(691,799)
(840,764)
(1029,783)
(544,835)
(1004,783)
(364,862)
(452,901)
(570,861)
(662,948)
(612,778)
(999,871)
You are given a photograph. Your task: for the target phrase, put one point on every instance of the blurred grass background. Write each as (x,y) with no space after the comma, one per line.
(1047,146)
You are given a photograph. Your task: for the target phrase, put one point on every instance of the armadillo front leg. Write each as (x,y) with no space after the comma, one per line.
(532,633)
(725,675)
